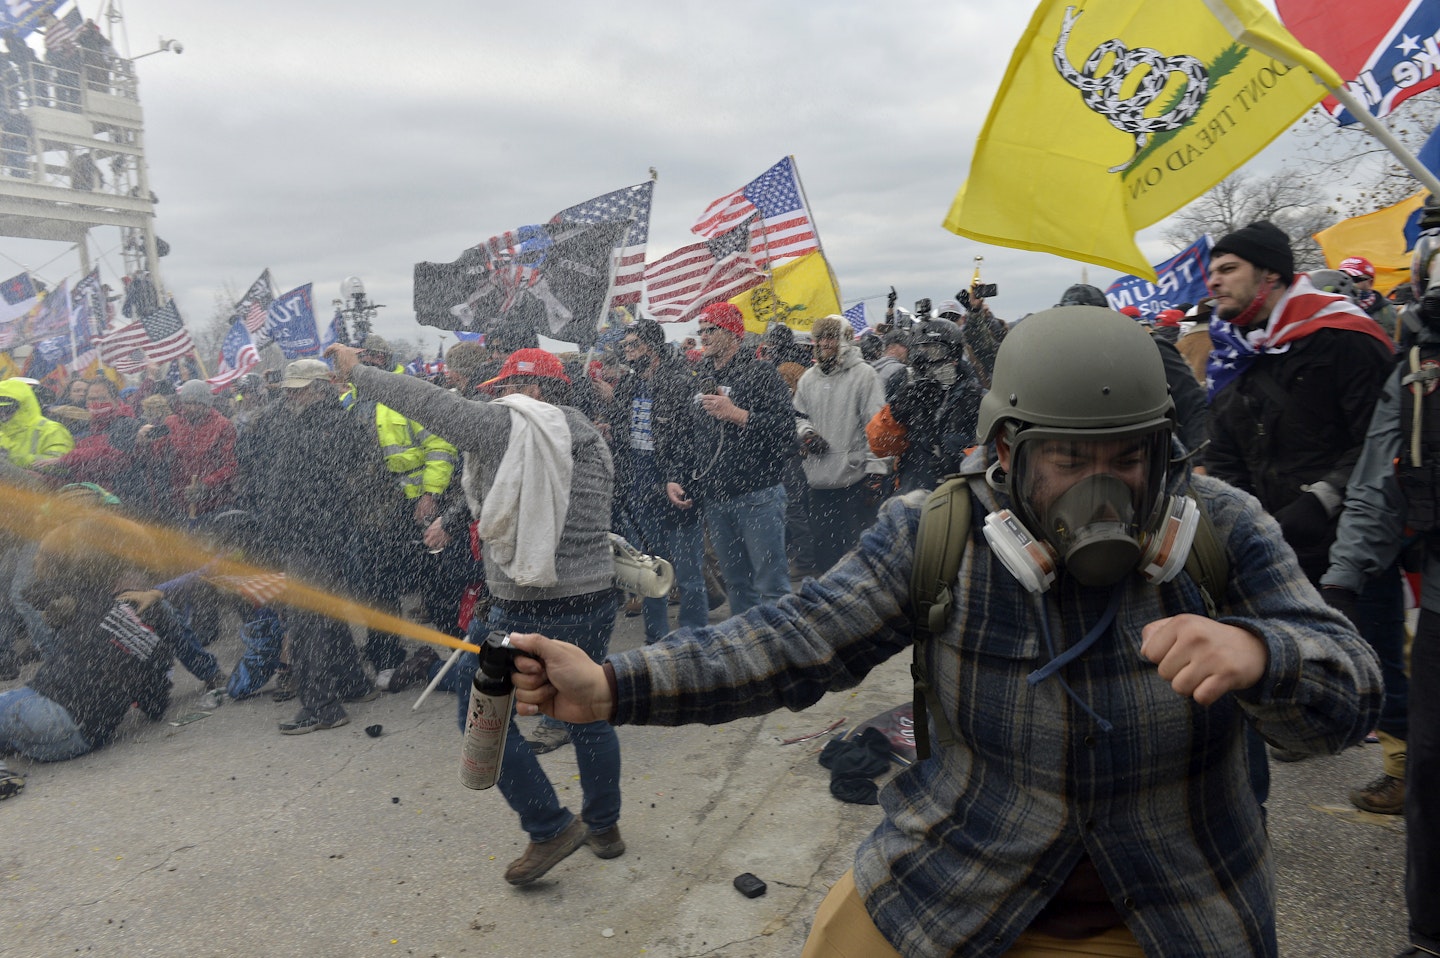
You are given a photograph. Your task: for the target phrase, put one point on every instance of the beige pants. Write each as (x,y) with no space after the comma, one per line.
(843,929)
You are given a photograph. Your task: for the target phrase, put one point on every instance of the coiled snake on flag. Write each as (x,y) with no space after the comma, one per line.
(1102,94)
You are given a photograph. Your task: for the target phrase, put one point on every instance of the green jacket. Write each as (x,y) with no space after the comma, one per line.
(422,460)
(28,435)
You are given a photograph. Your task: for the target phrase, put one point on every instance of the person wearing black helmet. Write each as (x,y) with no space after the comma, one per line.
(1094,785)
(932,411)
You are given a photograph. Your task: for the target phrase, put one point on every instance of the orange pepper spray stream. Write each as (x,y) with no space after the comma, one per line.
(175,552)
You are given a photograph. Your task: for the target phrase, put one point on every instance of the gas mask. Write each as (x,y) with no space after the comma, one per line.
(1100,527)
(943,373)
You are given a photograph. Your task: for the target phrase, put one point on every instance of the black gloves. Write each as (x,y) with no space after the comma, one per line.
(916,401)
(1304,521)
(1341,600)
(813,444)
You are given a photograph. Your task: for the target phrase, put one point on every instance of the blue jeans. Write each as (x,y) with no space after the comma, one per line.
(597,748)
(1380,619)
(748,533)
(654,529)
(198,660)
(18,568)
(38,728)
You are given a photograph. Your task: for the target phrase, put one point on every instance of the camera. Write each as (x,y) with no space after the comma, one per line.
(922,310)
(981,291)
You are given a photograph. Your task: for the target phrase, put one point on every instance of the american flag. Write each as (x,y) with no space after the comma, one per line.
(691,278)
(169,339)
(62,34)
(630,204)
(856,316)
(783,229)
(254,306)
(261,589)
(118,348)
(1301,311)
(237,356)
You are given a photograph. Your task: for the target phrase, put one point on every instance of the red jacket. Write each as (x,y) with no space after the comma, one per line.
(94,458)
(203,451)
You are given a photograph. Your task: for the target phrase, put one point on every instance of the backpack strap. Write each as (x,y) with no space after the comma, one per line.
(1208,565)
(940,541)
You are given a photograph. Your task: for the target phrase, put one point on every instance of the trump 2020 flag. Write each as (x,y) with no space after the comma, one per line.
(1113,115)
(237,355)
(291,323)
(1180,279)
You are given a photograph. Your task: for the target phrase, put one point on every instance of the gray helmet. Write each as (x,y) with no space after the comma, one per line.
(1334,281)
(1077,375)
(1078,368)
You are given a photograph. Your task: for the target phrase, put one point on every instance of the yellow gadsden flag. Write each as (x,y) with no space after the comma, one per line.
(799,292)
(1379,237)
(1115,113)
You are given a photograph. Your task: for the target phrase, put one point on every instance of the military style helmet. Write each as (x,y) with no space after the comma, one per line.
(1335,281)
(1078,368)
(1066,378)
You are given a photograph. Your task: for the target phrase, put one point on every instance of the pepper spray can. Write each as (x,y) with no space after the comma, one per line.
(492,695)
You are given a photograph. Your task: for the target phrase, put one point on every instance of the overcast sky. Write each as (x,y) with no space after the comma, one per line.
(327,139)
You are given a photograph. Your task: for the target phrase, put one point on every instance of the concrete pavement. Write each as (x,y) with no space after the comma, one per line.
(223,838)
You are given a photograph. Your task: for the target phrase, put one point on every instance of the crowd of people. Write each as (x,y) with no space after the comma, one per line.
(1105,715)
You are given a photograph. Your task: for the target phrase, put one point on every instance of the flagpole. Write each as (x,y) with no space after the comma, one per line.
(1386,138)
(834,284)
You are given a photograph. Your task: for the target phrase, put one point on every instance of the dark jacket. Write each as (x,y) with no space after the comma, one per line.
(1192,415)
(735,461)
(1295,418)
(313,479)
(674,424)
(939,425)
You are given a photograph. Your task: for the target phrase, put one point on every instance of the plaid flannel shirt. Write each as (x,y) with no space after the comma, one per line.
(976,840)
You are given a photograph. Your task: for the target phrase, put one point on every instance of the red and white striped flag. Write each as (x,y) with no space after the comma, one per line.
(254,306)
(784,229)
(260,589)
(169,339)
(630,204)
(121,347)
(683,283)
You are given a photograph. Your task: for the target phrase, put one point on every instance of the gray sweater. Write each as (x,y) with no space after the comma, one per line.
(583,558)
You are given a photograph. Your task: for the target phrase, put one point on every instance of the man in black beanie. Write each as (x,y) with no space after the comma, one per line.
(1293,379)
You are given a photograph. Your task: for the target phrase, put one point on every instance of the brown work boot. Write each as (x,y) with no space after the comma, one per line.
(1384,796)
(540,857)
(607,844)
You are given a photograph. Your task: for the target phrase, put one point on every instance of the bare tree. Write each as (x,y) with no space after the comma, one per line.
(1291,202)
(211,334)
(1348,160)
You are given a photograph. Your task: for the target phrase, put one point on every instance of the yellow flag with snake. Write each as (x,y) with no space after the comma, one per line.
(1115,113)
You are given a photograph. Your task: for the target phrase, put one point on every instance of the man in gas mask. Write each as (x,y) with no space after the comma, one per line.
(1093,783)
(1394,493)
(930,414)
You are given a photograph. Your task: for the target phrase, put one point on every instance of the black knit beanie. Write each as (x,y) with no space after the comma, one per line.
(1264,244)
(650,333)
